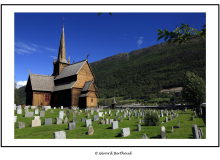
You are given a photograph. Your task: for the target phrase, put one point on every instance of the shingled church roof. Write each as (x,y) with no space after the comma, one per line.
(64,86)
(41,82)
(71,70)
(87,86)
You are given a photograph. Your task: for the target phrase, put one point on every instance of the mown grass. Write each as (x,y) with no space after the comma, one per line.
(104,131)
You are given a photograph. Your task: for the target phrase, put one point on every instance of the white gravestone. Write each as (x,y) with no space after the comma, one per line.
(100,114)
(88,122)
(61,107)
(15,107)
(125,132)
(19,111)
(36,117)
(59,135)
(35,111)
(61,114)
(15,118)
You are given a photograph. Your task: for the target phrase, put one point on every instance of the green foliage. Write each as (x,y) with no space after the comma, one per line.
(151,119)
(21,95)
(16,99)
(193,89)
(182,34)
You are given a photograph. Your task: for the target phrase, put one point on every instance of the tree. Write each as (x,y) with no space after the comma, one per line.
(193,89)
(16,98)
(182,34)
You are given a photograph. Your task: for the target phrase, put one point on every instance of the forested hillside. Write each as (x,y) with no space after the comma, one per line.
(148,70)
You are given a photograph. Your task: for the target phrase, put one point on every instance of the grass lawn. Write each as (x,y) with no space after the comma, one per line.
(104,131)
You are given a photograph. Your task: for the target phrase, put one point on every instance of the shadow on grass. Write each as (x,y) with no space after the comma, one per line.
(204,119)
(83,126)
(191,136)
(156,137)
(109,128)
(119,135)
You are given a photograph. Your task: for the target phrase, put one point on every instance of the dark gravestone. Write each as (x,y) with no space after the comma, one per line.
(83,120)
(195,131)
(71,126)
(48,121)
(95,118)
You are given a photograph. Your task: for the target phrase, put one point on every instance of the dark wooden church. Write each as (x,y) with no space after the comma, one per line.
(70,85)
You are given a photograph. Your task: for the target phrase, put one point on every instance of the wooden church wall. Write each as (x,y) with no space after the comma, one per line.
(41,98)
(91,100)
(75,96)
(83,76)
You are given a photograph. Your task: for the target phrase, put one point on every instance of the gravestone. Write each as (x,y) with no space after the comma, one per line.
(163,133)
(129,118)
(107,121)
(192,118)
(121,119)
(167,114)
(102,121)
(42,113)
(90,130)
(15,118)
(15,107)
(19,111)
(161,114)
(59,135)
(74,119)
(36,123)
(139,121)
(61,114)
(200,133)
(59,121)
(195,131)
(144,136)
(166,119)
(26,110)
(61,107)
(125,132)
(33,107)
(95,118)
(178,124)
(116,113)
(109,112)
(114,124)
(19,106)
(36,111)
(48,121)
(172,129)
(29,114)
(54,108)
(138,127)
(88,122)
(46,108)
(92,111)
(83,120)
(36,117)
(110,121)
(71,126)
(88,115)
(21,125)
(51,111)
(66,120)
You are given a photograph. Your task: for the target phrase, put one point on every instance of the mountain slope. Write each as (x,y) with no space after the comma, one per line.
(148,70)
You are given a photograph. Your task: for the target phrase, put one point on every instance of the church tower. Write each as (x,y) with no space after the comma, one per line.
(61,59)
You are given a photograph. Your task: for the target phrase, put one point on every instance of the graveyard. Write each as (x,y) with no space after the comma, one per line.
(36,123)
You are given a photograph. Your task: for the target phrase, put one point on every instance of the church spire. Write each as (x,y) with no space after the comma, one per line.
(62,49)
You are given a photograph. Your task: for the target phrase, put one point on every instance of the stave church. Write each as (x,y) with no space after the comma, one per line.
(70,85)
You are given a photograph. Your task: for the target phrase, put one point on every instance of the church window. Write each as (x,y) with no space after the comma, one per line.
(46,97)
(91,100)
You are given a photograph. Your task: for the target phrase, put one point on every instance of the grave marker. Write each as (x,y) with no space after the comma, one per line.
(59,135)
(36,117)
(48,121)
(90,130)
(195,131)
(88,122)
(21,125)
(61,114)
(15,118)
(144,136)
(125,132)
(138,127)
(42,113)
(66,120)
(83,120)
(36,123)
(163,133)
(114,124)
(71,126)
(95,118)
(29,114)
(19,111)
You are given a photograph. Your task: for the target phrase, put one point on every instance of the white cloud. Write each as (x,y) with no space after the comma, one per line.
(50,49)
(21,83)
(140,41)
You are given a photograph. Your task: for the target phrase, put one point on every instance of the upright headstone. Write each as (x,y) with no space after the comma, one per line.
(15,107)
(61,107)
(90,130)
(48,121)
(71,126)
(125,132)
(163,133)
(59,135)
(88,122)
(107,121)
(138,127)
(36,123)
(83,120)
(59,121)
(66,120)
(15,118)
(172,129)
(178,123)
(29,114)
(19,111)
(110,121)
(42,113)
(166,119)
(95,118)
(61,114)
(195,131)
(114,124)
(74,119)
(144,136)
(36,111)
(21,125)
(36,117)
(200,133)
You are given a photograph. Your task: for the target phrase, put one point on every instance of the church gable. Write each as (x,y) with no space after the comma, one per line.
(84,75)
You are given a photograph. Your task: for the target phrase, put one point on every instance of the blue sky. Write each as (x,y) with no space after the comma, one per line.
(37,36)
